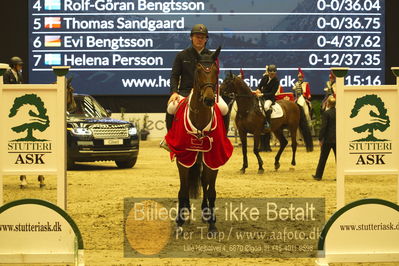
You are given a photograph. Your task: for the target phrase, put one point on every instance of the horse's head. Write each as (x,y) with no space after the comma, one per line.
(206,78)
(71,104)
(230,85)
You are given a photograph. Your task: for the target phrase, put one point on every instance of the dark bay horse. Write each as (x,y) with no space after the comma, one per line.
(250,119)
(200,112)
(71,104)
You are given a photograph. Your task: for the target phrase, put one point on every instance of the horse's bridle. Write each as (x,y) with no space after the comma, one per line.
(234,95)
(206,69)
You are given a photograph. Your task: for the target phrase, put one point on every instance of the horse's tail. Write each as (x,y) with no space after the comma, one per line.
(305,130)
(194,180)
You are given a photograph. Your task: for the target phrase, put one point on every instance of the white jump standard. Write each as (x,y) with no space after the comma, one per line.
(33,139)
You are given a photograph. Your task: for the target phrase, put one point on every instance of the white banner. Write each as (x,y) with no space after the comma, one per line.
(367,130)
(353,235)
(30,130)
(33,135)
(370,128)
(153,122)
(37,231)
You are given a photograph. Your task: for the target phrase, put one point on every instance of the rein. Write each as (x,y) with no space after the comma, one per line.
(200,133)
(206,69)
(235,96)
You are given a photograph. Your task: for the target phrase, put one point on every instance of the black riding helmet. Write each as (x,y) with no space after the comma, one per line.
(15,60)
(272,68)
(199,28)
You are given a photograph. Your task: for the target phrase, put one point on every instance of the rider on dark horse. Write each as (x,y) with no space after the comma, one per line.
(267,89)
(182,77)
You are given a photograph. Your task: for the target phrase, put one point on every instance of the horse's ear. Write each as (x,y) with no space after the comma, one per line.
(242,73)
(230,73)
(216,53)
(69,81)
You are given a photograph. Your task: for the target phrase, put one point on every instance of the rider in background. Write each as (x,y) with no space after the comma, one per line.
(13,75)
(330,85)
(302,94)
(182,77)
(267,89)
(301,87)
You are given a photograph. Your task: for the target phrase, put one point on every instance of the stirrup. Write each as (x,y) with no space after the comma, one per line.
(164,145)
(267,125)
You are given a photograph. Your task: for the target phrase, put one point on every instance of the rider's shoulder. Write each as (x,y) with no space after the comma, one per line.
(275,80)
(8,71)
(185,51)
(265,78)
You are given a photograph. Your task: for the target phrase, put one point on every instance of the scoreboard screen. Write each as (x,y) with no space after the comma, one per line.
(127,47)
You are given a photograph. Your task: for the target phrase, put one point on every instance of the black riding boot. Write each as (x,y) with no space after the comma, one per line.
(226,122)
(267,120)
(169,121)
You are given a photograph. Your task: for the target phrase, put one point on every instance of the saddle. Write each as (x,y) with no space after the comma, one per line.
(277,111)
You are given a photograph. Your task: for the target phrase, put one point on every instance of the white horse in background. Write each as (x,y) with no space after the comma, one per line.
(302,102)
(233,114)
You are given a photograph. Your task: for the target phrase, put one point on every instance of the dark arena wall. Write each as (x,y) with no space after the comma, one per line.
(14,20)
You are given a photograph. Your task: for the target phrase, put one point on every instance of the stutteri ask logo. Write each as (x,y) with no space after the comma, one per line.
(378,118)
(38,119)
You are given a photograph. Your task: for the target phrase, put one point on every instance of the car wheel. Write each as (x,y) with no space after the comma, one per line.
(126,163)
(70,164)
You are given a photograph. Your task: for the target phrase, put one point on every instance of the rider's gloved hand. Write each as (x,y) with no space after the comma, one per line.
(173,98)
(258,93)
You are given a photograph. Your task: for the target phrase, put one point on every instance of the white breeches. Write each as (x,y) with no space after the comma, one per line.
(267,105)
(172,106)
(301,101)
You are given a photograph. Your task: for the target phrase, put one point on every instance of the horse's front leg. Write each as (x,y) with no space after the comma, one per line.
(256,152)
(205,206)
(293,146)
(243,138)
(283,143)
(210,175)
(183,197)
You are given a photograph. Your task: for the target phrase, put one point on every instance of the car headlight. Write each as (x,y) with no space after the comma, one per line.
(132,131)
(81,131)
